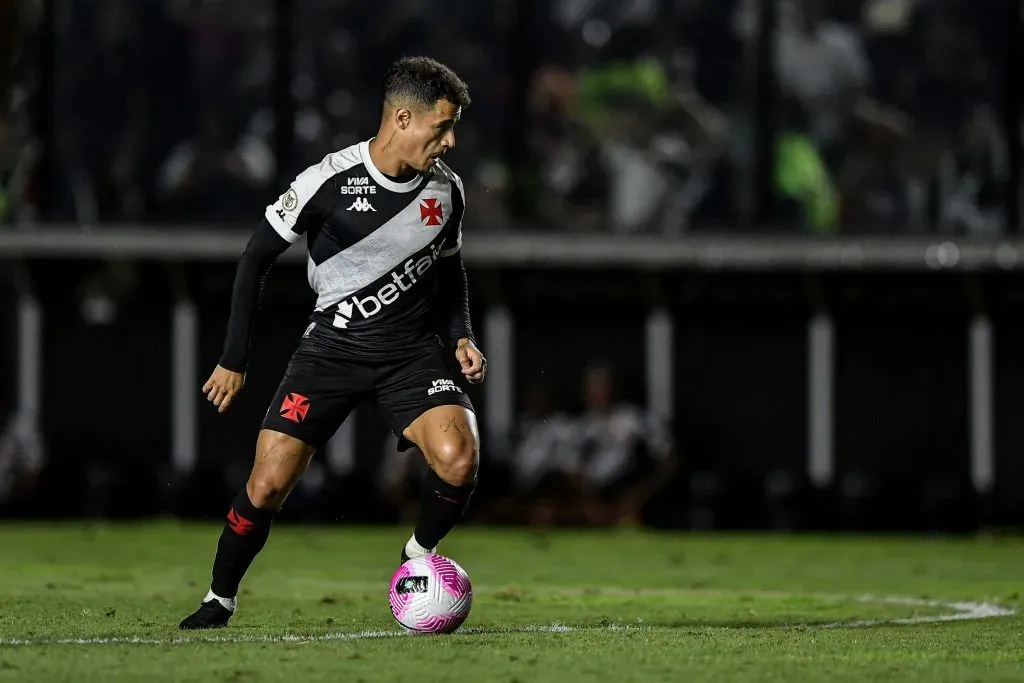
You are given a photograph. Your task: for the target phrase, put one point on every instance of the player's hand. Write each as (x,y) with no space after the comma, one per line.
(474,365)
(222,387)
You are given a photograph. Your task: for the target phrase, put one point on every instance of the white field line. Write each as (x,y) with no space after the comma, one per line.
(957,611)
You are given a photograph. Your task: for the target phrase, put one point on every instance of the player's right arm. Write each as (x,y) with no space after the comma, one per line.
(259,255)
(284,222)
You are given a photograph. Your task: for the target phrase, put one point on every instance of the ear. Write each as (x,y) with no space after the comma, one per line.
(403,118)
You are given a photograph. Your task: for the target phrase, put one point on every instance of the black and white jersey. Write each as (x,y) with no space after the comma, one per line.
(373,242)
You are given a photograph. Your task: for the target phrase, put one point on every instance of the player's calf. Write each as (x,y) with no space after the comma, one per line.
(449,440)
(245,532)
(280,461)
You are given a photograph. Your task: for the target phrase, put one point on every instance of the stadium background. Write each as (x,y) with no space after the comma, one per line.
(802,264)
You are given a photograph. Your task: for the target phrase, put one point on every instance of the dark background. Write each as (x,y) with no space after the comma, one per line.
(157,114)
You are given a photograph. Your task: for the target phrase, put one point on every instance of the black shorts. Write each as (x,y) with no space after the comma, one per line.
(321,387)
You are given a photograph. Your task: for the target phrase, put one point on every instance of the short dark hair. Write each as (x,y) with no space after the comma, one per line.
(423,81)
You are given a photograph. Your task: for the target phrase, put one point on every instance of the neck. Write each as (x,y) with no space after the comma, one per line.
(385,157)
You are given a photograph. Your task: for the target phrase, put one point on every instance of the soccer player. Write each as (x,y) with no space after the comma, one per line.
(383,225)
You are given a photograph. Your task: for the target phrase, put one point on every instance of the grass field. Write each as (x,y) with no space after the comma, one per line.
(101,603)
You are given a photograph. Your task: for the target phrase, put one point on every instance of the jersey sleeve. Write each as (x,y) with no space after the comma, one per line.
(453,240)
(262,250)
(306,202)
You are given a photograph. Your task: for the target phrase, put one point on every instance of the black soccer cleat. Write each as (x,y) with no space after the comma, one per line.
(211,614)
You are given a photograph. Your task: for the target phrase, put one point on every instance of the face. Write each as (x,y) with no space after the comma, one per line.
(426,134)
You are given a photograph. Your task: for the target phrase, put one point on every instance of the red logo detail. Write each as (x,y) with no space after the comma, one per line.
(430,211)
(294,407)
(239,524)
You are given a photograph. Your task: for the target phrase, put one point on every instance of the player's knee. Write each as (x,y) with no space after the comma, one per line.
(280,461)
(266,492)
(457,460)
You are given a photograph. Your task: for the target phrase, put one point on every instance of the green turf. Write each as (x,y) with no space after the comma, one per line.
(603,607)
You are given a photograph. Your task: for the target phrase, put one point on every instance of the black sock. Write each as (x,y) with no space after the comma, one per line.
(245,533)
(441,506)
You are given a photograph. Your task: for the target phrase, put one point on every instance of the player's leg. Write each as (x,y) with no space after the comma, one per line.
(280,461)
(430,409)
(315,396)
(449,438)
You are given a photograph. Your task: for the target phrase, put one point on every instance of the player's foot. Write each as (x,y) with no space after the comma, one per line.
(211,614)
(414,549)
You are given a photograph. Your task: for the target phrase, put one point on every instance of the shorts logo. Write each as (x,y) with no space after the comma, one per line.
(439,385)
(294,407)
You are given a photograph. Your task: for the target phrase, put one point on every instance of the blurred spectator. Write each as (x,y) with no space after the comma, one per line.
(19,151)
(624,142)
(806,189)
(21,460)
(101,112)
(823,64)
(18,155)
(638,115)
(571,182)
(974,176)
(944,75)
(876,188)
(540,485)
(624,454)
(206,176)
(599,467)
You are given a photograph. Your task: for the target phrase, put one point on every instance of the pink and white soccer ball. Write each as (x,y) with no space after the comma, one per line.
(430,594)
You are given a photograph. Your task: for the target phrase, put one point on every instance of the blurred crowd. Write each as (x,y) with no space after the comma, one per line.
(593,458)
(626,116)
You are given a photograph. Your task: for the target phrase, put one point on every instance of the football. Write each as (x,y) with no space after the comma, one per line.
(430,594)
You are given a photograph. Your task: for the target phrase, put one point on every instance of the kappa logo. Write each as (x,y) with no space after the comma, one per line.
(361,204)
(440,385)
(431,212)
(358,186)
(374,302)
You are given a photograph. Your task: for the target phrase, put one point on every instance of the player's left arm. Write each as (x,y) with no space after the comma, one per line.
(453,294)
